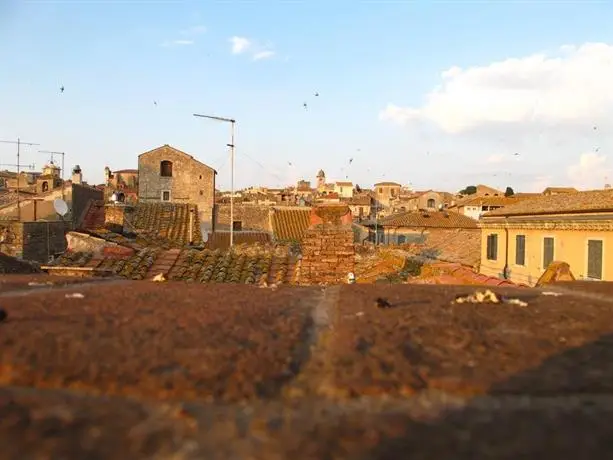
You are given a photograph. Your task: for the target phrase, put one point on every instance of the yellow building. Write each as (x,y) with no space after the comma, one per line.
(520,241)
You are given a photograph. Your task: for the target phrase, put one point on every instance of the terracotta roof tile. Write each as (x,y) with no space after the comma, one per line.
(492,201)
(290,224)
(245,265)
(221,240)
(165,221)
(590,201)
(462,246)
(436,219)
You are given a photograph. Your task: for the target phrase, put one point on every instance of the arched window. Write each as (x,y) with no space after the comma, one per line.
(45,186)
(166,168)
(431,203)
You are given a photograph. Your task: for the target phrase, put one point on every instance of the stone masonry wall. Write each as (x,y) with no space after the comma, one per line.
(11,238)
(252,216)
(192,181)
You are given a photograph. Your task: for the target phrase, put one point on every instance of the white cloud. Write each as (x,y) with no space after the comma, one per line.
(263,55)
(240,44)
(589,172)
(571,86)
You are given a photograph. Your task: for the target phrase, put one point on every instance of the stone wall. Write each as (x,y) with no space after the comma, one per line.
(192,182)
(81,196)
(328,253)
(11,238)
(251,216)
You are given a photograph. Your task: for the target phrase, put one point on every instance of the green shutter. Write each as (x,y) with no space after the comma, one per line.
(594,259)
(548,252)
(520,250)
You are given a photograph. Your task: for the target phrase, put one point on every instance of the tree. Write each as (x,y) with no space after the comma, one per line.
(509,192)
(470,190)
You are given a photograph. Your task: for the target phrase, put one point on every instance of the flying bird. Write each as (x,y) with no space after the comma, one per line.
(62,89)
(316,94)
(289,163)
(516,154)
(155,103)
(350,160)
(305,105)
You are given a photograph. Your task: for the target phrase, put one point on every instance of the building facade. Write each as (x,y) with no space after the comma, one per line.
(519,242)
(166,174)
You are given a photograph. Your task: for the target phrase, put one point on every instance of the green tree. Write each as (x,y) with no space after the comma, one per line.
(509,192)
(470,190)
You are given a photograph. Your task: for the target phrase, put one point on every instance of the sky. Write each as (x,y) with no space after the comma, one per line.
(430,94)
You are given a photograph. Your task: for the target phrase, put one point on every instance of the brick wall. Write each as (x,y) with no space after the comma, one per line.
(81,196)
(251,216)
(192,182)
(328,253)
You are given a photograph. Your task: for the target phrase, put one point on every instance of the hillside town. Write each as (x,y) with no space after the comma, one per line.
(167,218)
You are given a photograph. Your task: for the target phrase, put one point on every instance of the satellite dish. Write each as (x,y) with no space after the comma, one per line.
(60,207)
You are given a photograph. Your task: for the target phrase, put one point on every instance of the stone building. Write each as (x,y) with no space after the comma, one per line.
(167,174)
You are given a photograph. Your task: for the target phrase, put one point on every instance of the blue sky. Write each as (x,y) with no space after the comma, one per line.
(116,57)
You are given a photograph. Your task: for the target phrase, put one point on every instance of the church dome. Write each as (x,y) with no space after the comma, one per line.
(321,173)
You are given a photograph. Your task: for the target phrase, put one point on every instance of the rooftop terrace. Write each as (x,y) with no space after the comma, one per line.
(125,369)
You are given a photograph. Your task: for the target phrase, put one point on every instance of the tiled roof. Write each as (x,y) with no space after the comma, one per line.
(360,200)
(450,273)
(247,265)
(126,171)
(560,190)
(156,224)
(221,240)
(387,183)
(591,201)
(344,183)
(290,224)
(461,246)
(94,217)
(435,219)
(491,201)
(167,221)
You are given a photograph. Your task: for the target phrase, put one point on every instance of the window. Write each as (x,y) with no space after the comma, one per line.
(520,249)
(201,192)
(166,168)
(45,186)
(402,239)
(380,190)
(548,253)
(492,247)
(166,195)
(200,177)
(594,259)
(237,226)
(431,203)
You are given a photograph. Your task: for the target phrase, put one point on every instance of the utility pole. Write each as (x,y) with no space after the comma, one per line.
(19,144)
(232,122)
(57,153)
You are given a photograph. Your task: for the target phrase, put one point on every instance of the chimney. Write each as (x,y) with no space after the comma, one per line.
(77,175)
(116,215)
